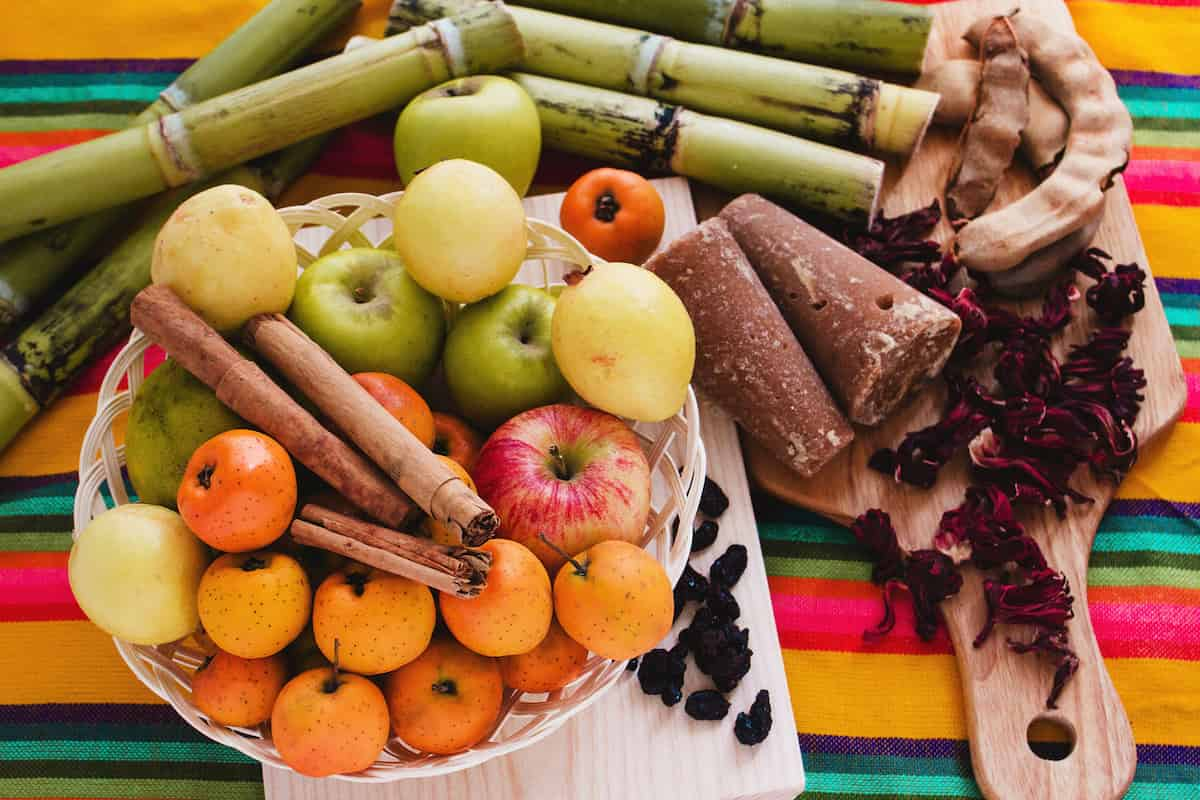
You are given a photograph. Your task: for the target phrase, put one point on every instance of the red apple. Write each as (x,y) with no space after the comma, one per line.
(576,475)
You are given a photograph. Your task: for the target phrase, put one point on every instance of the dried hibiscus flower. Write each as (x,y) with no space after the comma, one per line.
(1098,372)
(1025,477)
(1045,602)
(892,241)
(1055,645)
(984,530)
(1117,294)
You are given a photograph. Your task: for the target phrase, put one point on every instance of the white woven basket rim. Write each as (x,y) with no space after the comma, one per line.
(674,449)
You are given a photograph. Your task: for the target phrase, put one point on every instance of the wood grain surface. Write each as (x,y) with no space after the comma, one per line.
(629,746)
(1004,692)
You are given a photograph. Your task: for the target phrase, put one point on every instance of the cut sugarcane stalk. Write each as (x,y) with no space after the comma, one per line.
(654,137)
(829,105)
(867,35)
(250,122)
(270,42)
(93,315)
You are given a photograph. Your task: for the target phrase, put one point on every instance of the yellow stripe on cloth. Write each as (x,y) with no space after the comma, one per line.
(1167,468)
(50,444)
(1172,253)
(1159,696)
(122,29)
(1142,37)
(64,662)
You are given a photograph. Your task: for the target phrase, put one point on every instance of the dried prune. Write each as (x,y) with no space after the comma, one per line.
(632,665)
(727,570)
(713,500)
(752,728)
(672,695)
(707,705)
(691,588)
(722,603)
(704,535)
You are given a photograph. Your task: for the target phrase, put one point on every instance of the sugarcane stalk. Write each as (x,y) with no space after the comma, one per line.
(258,119)
(828,105)
(270,42)
(653,137)
(867,35)
(93,315)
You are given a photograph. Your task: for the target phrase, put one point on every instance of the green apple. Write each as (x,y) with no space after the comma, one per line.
(228,254)
(173,413)
(460,229)
(135,571)
(364,308)
(483,118)
(499,361)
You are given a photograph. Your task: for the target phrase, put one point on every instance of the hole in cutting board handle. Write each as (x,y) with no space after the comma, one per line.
(1050,738)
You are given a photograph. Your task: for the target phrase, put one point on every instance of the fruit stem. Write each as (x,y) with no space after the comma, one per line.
(204,476)
(330,686)
(560,463)
(445,686)
(361,294)
(580,569)
(575,276)
(253,563)
(358,581)
(607,207)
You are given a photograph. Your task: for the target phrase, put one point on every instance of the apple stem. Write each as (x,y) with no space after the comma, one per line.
(580,569)
(560,463)
(332,684)
(575,276)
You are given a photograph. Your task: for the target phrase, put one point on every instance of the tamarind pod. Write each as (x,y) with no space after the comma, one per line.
(994,130)
(1033,275)
(957,81)
(1098,146)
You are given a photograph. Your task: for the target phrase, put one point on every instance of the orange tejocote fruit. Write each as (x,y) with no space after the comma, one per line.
(512,614)
(327,722)
(614,213)
(615,599)
(238,491)
(401,401)
(447,700)
(551,665)
(377,621)
(254,604)
(238,691)
(440,532)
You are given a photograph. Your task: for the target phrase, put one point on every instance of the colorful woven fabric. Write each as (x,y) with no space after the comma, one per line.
(884,723)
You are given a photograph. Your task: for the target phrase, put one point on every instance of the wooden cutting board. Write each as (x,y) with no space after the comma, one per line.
(1005,692)
(629,746)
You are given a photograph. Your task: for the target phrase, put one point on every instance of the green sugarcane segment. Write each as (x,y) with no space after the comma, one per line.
(270,42)
(654,137)
(93,315)
(868,35)
(828,105)
(250,122)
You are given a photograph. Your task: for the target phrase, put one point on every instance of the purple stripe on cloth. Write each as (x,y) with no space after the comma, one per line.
(1168,754)
(1154,508)
(1178,285)
(83,713)
(1136,77)
(24,483)
(892,746)
(99,65)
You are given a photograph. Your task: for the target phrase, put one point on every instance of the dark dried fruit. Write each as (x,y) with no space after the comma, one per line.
(692,587)
(720,647)
(753,727)
(671,695)
(632,665)
(704,535)
(661,672)
(727,570)
(713,500)
(722,604)
(1053,644)
(706,705)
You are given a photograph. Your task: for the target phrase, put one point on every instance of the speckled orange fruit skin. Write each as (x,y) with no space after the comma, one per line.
(551,665)
(254,613)
(441,722)
(622,607)
(318,733)
(513,612)
(401,401)
(239,691)
(439,531)
(238,491)
(386,626)
(456,439)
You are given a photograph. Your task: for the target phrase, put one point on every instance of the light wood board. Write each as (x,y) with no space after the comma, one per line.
(1004,691)
(629,746)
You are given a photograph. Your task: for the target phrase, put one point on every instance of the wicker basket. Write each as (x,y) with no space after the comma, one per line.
(674,449)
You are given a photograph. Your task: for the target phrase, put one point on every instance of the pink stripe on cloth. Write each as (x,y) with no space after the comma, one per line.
(13,153)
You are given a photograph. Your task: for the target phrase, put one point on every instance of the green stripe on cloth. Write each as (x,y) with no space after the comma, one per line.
(91,94)
(244,770)
(91,750)
(47,541)
(90,79)
(1156,138)
(12,122)
(851,784)
(58,110)
(52,499)
(1162,109)
(132,788)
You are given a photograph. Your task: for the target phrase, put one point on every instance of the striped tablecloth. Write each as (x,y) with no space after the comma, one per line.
(885,723)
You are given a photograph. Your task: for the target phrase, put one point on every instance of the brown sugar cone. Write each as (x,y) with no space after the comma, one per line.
(872,337)
(747,359)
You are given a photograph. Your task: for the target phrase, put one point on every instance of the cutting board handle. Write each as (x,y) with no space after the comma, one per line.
(1005,692)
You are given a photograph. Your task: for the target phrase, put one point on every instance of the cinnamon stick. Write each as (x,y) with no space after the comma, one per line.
(408,462)
(242,385)
(450,569)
